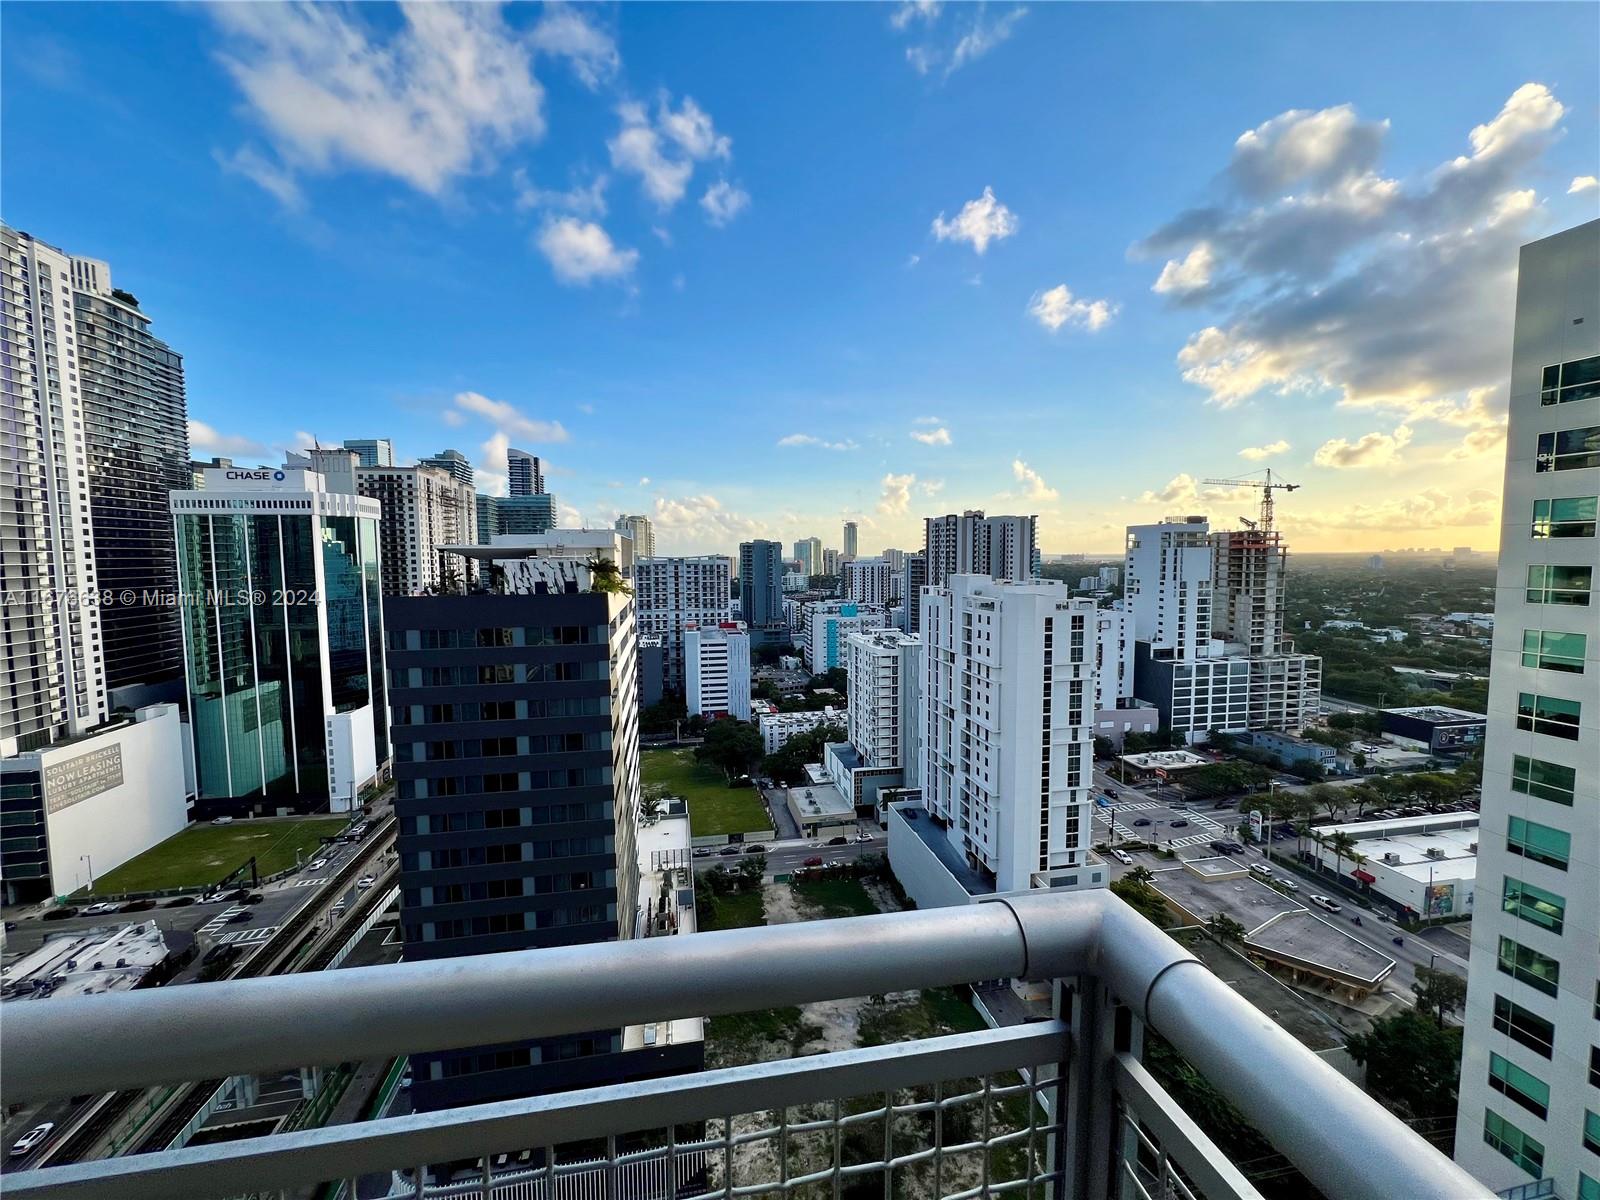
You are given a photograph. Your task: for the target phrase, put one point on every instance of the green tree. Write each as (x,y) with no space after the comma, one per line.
(1104,747)
(1411,1062)
(733,746)
(1342,844)
(787,764)
(604,576)
(1225,929)
(1143,898)
(1440,991)
(663,716)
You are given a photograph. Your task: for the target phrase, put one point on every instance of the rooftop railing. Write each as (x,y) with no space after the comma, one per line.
(1052,1109)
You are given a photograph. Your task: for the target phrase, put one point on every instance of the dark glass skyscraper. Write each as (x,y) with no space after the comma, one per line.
(761,582)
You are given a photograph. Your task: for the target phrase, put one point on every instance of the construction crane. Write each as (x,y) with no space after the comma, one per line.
(1267,486)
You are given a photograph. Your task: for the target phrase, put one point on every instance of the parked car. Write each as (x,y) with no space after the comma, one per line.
(179,902)
(702,851)
(1123,857)
(94,910)
(222,820)
(31,1140)
(134,906)
(727,850)
(755,848)
(814,861)
(838,841)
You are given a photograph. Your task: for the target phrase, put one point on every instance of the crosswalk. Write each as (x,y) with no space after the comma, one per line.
(221,919)
(247,937)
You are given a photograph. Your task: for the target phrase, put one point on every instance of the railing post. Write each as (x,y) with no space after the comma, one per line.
(1085,1100)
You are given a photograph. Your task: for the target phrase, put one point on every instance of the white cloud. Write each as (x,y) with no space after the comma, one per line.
(570,518)
(1184,489)
(723,202)
(1190,274)
(1037,489)
(700,524)
(983,36)
(1583,183)
(896,496)
(509,420)
(584,201)
(927,421)
(265,174)
(580,252)
(207,440)
(1179,487)
(930,487)
(426,103)
(1369,450)
(453,418)
(922,58)
(1257,453)
(909,11)
(913,260)
(1429,508)
(564,31)
(1058,307)
(586,409)
(932,437)
(663,152)
(1329,279)
(979,222)
(806,439)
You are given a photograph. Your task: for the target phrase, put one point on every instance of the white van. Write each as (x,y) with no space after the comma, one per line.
(1261,869)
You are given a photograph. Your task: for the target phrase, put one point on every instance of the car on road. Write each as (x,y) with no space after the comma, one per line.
(240,917)
(1111,793)
(1220,846)
(366,881)
(814,861)
(31,1140)
(838,841)
(863,837)
(134,906)
(702,851)
(1178,824)
(755,848)
(727,850)
(1326,905)
(179,902)
(1123,857)
(252,898)
(1142,821)
(1287,885)
(94,910)
(1261,869)
(316,864)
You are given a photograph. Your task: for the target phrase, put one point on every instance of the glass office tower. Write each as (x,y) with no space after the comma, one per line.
(283,640)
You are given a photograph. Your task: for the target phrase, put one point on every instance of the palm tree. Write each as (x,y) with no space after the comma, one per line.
(1342,845)
(605,577)
(1226,929)
(1140,874)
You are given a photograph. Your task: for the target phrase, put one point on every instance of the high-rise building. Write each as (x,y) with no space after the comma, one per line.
(761,583)
(896,560)
(54,680)
(515,514)
(1530,1063)
(372,452)
(525,839)
(884,726)
(916,578)
(283,637)
(1190,665)
(673,592)
(717,670)
(830,562)
(452,462)
(868,580)
(422,509)
(128,425)
(1247,588)
(1168,586)
(198,469)
(1113,662)
(827,623)
(973,544)
(808,551)
(524,474)
(852,534)
(1008,738)
(643,534)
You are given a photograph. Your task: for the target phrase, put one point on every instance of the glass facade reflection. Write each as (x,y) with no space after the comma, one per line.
(282,627)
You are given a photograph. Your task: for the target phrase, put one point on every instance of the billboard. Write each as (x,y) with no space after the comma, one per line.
(84,776)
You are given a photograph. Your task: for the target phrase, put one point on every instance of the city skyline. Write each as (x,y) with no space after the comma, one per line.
(968,320)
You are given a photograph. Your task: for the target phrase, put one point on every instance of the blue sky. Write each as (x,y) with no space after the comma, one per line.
(755,270)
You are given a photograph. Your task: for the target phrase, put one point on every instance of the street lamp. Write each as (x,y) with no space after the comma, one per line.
(89,863)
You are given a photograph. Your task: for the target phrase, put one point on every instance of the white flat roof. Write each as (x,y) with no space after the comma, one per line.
(1409,841)
(1166,760)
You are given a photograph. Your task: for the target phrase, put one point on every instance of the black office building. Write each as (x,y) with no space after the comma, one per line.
(516,759)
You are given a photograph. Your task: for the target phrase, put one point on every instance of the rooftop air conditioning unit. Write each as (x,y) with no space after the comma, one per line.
(1473,849)
(1435,853)
(1391,858)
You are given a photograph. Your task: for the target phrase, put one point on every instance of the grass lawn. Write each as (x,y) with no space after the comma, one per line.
(714,807)
(730,912)
(935,1012)
(836,898)
(203,854)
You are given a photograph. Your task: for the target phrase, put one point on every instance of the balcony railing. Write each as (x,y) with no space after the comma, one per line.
(1052,1109)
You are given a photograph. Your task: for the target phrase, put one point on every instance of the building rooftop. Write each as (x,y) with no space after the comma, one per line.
(974,881)
(1438,714)
(1164,760)
(819,797)
(86,963)
(1421,846)
(666,908)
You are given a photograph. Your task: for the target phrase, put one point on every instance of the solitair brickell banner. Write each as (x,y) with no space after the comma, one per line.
(76,779)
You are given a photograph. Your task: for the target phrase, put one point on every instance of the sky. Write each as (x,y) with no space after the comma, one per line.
(756,270)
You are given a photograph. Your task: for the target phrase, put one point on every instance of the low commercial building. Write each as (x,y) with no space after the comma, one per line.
(1423,866)
(88,804)
(1161,764)
(777,728)
(1289,749)
(819,808)
(717,660)
(1442,730)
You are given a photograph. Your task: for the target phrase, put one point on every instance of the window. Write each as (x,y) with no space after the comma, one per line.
(1568,449)
(1560,585)
(1591,1131)
(1551,651)
(1518,1086)
(1534,905)
(1513,1143)
(1529,966)
(1566,517)
(1588,1189)
(1594,1066)
(1548,714)
(1565,382)
(1520,1025)
(1541,843)
(1546,780)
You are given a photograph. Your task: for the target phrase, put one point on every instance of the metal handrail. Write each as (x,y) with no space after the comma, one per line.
(1347,1144)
